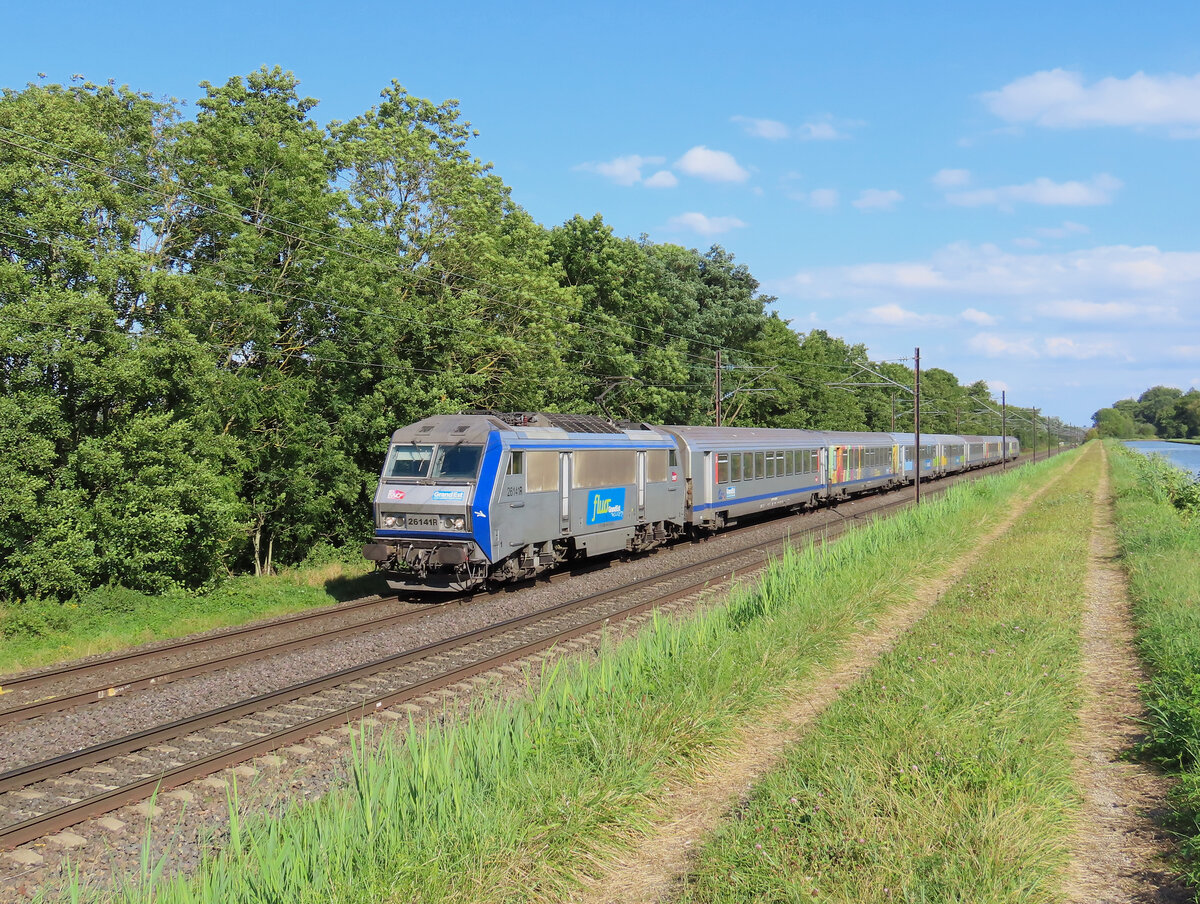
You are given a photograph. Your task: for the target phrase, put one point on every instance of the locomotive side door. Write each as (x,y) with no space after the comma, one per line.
(641,485)
(564,491)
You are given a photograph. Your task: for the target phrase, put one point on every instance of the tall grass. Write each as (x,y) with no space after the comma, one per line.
(37,632)
(1159,536)
(521,799)
(945,774)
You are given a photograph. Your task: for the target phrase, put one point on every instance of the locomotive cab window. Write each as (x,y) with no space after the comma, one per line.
(516,464)
(457,462)
(672,459)
(409,461)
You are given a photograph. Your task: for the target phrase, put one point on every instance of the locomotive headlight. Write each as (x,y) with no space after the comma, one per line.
(453,522)
(393,520)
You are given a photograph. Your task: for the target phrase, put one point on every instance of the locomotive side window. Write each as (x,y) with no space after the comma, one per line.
(722,467)
(542,468)
(672,458)
(656,465)
(735,466)
(409,461)
(516,464)
(604,468)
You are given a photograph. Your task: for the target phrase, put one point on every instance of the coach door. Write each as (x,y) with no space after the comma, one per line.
(564,490)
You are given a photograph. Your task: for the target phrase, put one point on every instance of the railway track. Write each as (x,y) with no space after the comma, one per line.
(47,796)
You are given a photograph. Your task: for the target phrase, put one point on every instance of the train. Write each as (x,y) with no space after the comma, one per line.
(471,500)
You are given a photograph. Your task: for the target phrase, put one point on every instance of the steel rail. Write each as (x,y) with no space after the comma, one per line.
(56,702)
(38,826)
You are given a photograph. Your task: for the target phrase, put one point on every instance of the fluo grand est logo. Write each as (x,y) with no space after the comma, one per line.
(605,505)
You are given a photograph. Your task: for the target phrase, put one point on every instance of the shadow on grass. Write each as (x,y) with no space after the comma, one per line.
(343,588)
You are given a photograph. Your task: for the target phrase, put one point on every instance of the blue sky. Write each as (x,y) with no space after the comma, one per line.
(1012,189)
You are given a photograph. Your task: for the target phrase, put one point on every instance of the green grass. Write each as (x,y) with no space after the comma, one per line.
(523,798)
(35,633)
(1158,529)
(945,775)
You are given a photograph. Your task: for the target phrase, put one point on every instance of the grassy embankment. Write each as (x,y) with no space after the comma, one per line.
(522,798)
(1158,528)
(945,775)
(35,633)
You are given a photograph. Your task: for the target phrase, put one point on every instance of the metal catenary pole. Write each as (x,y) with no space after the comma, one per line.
(1003,430)
(917,426)
(718,388)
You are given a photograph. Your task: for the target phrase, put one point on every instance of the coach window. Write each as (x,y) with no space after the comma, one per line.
(770,464)
(516,464)
(722,467)
(760,465)
(747,466)
(735,466)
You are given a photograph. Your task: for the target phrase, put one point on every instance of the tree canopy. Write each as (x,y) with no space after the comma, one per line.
(209,326)
(1161,411)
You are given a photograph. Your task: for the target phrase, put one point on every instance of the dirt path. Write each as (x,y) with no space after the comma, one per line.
(1118,850)
(652,870)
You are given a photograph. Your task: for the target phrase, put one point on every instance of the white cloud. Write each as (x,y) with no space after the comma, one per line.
(823,198)
(622,170)
(1123,273)
(1026,242)
(715,166)
(895,315)
(998,385)
(819,131)
(1044,191)
(704,225)
(1061,232)
(979,318)
(1090,311)
(662,179)
(951,178)
(1059,99)
(877,199)
(771,129)
(994,345)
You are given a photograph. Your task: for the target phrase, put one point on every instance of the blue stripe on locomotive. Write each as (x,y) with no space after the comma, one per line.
(481,526)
